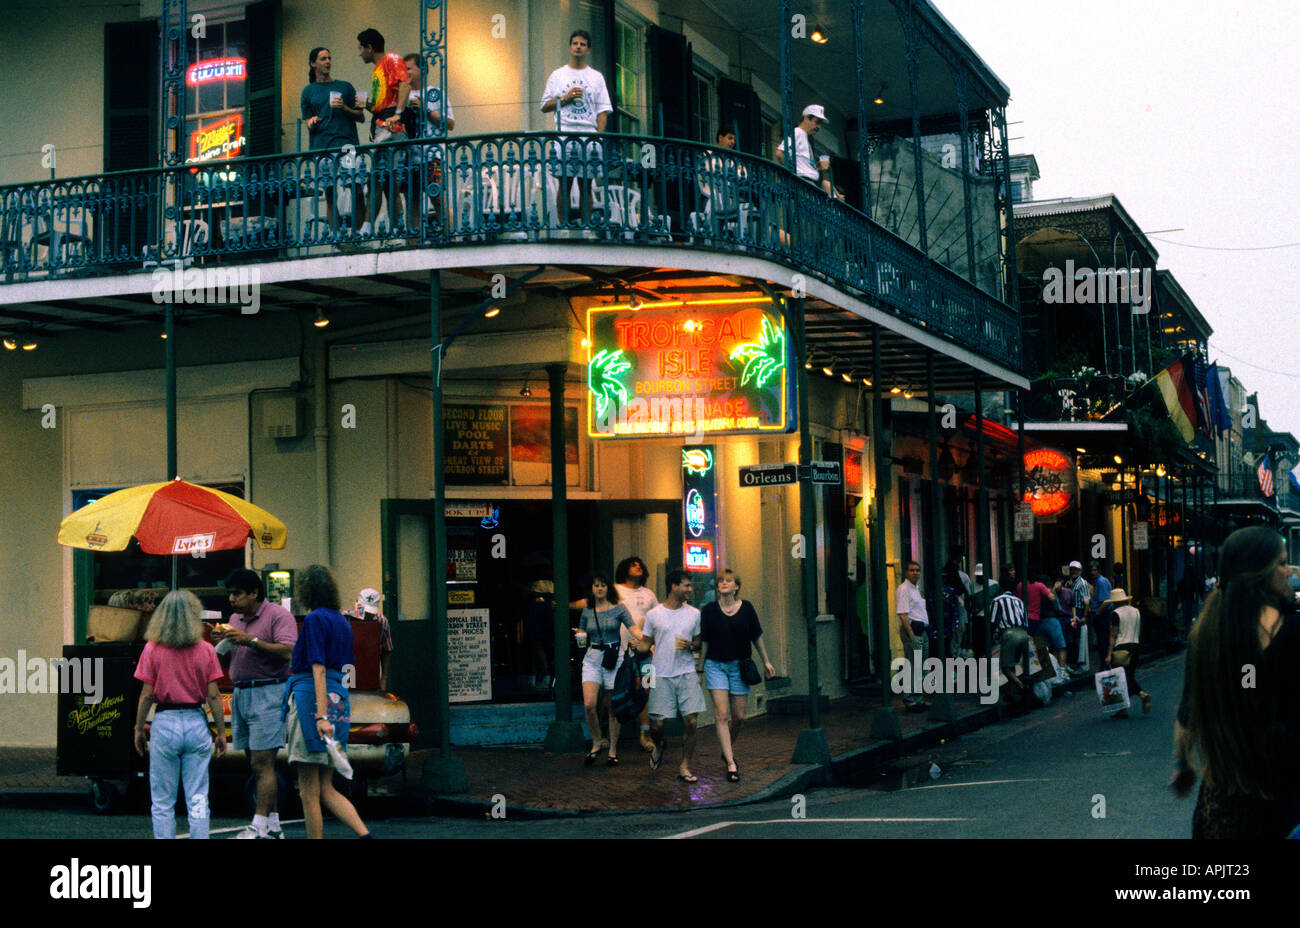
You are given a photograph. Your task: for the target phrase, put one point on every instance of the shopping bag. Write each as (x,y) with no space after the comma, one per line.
(1083,646)
(338,760)
(1042,663)
(1112,690)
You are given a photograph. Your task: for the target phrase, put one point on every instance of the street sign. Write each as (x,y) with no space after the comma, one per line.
(822,472)
(1024,522)
(1141,541)
(766,475)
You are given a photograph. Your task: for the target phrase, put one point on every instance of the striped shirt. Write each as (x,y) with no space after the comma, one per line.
(1007,611)
(1082,593)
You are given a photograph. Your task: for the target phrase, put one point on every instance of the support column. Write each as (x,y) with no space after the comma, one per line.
(564,734)
(443,772)
(1022,547)
(912,38)
(884,721)
(942,707)
(812,747)
(860,83)
(982,550)
(787,88)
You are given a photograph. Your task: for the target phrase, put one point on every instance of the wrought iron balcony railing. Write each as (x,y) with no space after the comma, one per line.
(500,188)
(1244,485)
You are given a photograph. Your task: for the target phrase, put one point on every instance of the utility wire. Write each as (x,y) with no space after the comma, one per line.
(1169,241)
(1266,370)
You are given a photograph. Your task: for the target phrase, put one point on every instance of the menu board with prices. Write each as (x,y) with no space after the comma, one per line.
(469,655)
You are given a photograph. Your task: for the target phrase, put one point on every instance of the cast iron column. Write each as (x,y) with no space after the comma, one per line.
(884,721)
(564,734)
(812,747)
(860,82)
(982,551)
(443,772)
(935,567)
(1022,547)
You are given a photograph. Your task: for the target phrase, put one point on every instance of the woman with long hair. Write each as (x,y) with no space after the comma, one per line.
(1239,722)
(601,621)
(316,701)
(179,671)
(728,628)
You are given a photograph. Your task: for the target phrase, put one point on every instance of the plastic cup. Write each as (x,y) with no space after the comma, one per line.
(581,639)
(824,162)
(335,96)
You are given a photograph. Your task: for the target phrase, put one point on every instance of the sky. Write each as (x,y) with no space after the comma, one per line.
(1186,111)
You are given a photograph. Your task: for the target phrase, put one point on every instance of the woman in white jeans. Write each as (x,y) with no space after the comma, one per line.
(179,670)
(602,621)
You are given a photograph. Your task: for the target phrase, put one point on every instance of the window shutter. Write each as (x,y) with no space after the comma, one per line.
(738,108)
(264,129)
(130,96)
(670,55)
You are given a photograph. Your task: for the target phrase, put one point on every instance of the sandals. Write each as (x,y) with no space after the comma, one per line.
(1146,703)
(688,778)
(656,759)
(733,776)
(591,758)
(612,762)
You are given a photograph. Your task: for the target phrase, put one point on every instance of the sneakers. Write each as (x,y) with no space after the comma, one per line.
(277,835)
(250,832)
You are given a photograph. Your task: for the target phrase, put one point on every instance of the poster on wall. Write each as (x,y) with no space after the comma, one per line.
(530,444)
(476,442)
(687,370)
(469,655)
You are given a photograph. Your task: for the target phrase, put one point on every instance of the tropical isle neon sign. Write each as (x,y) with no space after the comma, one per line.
(686,371)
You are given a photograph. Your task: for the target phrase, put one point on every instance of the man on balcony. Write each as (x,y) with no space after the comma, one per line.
(814,117)
(576,93)
(390,89)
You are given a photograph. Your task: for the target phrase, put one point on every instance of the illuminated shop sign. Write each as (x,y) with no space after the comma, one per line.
(216,69)
(700,507)
(1050,482)
(687,371)
(219,140)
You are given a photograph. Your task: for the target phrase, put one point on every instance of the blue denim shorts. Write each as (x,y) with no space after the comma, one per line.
(724,675)
(1049,629)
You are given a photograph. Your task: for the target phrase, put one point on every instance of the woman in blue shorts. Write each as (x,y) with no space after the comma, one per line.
(728,627)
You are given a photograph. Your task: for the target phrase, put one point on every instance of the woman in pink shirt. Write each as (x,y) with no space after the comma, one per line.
(179,671)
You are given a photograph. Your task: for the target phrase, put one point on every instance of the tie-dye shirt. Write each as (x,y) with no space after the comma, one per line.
(389,73)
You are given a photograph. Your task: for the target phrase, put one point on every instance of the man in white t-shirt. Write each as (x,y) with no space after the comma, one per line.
(576,93)
(630,578)
(913,628)
(675,687)
(814,117)
(439,120)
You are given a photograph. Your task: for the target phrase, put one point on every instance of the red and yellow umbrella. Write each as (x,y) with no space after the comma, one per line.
(171,518)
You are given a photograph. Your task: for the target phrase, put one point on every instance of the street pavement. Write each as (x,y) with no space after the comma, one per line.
(1059,772)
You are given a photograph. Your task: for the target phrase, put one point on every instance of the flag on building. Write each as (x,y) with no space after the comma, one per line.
(1265,474)
(1216,384)
(1176,386)
(1295,484)
(1201,392)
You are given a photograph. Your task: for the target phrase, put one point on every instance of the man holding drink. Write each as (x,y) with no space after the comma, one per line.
(674,689)
(577,94)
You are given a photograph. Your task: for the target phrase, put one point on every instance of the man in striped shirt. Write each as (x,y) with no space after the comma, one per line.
(1082,594)
(1008,615)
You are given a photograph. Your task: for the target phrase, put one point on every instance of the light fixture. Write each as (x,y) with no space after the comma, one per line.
(819,35)
(494,311)
(808,365)
(848,378)
(633,303)
(690,325)
(866,382)
(525,391)
(586,343)
(320,322)
(907,394)
(1081,450)
(163,336)
(29,344)
(895,390)
(1160,470)
(880,95)
(828,371)
(10,343)
(1118,459)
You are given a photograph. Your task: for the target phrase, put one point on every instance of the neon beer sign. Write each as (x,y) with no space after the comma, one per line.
(1050,482)
(216,69)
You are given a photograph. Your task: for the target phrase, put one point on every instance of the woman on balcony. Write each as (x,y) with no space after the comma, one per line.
(1239,722)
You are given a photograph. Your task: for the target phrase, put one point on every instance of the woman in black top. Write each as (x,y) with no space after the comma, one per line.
(728,627)
(602,622)
(1239,721)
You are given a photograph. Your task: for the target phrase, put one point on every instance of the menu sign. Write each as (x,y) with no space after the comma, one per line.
(477,443)
(469,655)
(687,371)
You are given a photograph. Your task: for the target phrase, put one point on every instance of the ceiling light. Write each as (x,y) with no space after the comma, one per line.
(848,378)
(819,35)
(866,382)
(525,391)
(494,311)
(907,394)
(1160,470)
(808,365)
(29,344)
(10,343)
(1118,459)
(1081,450)
(895,390)
(163,336)
(633,303)
(320,321)
(827,371)
(586,342)
(880,94)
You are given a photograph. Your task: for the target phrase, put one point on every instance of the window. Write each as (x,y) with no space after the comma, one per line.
(629,87)
(706,107)
(215,84)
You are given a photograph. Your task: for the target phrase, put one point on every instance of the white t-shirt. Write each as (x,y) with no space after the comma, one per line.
(803,163)
(432,108)
(665,625)
(911,602)
(1130,625)
(639,600)
(578,115)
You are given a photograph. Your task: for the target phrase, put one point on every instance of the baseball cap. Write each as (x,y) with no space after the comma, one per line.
(815,109)
(368,599)
(1076,564)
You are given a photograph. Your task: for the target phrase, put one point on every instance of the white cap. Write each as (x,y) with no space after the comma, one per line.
(1076,564)
(368,599)
(815,109)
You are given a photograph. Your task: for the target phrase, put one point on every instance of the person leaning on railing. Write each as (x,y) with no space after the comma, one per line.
(330,113)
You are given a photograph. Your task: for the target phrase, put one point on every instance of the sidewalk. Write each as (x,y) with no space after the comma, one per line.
(537,784)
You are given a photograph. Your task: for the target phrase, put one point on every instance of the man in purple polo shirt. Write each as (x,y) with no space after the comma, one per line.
(259,649)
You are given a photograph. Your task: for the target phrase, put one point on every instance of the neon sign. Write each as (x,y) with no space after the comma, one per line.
(219,140)
(686,371)
(216,69)
(1049,482)
(699,556)
(697,461)
(695,516)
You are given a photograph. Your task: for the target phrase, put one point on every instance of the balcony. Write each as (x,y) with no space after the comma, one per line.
(646,192)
